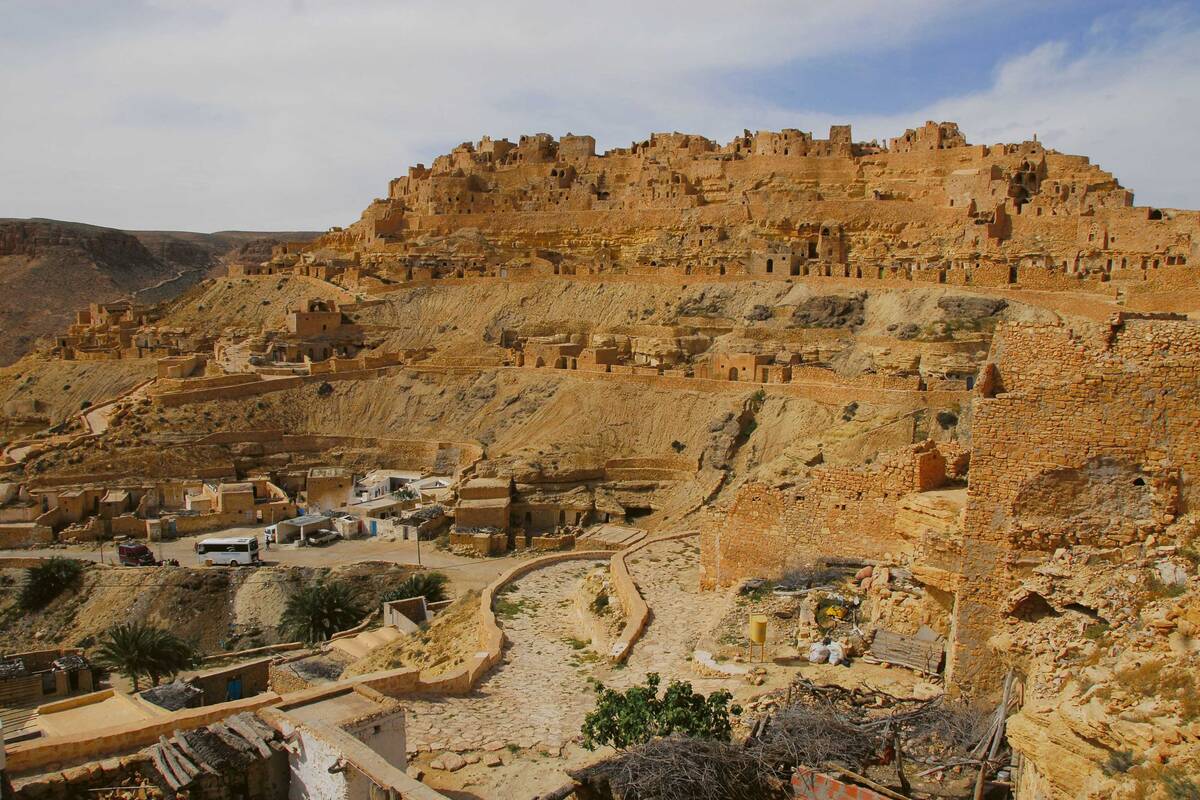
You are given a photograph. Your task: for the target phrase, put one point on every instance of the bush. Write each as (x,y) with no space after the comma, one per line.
(48,580)
(317,612)
(601,604)
(135,649)
(1180,787)
(1159,590)
(1119,762)
(430,585)
(1157,679)
(634,717)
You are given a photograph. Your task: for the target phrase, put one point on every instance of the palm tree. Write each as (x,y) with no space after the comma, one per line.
(317,612)
(137,648)
(430,585)
(48,580)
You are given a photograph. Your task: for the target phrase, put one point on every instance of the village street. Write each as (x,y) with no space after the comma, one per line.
(465,573)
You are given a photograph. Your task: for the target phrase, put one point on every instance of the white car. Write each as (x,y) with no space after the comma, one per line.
(322,538)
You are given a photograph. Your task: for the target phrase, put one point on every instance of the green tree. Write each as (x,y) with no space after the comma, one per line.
(639,714)
(430,585)
(317,612)
(137,649)
(48,580)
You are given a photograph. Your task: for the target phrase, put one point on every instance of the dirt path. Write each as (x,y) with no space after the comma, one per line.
(668,576)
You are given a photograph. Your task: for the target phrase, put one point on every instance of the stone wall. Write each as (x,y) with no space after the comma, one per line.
(833,511)
(24,534)
(1090,435)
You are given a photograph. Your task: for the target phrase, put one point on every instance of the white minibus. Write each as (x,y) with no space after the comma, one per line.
(237,550)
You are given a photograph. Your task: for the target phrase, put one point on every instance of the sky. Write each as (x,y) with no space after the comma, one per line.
(294,114)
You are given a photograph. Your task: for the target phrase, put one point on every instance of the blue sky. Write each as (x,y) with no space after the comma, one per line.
(953,56)
(288,114)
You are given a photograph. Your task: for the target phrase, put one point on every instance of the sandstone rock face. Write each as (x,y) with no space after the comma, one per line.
(778,205)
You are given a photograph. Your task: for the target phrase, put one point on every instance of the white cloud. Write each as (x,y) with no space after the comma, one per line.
(1128,100)
(214,113)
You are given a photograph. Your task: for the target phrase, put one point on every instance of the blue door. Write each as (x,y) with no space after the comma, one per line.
(233,689)
(372,527)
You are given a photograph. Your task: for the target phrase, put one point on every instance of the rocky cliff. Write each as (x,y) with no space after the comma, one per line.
(49,269)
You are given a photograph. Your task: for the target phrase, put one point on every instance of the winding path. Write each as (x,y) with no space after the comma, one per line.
(537,697)
(668,576)
(525,716)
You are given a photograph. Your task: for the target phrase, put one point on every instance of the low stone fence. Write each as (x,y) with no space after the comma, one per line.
(60,751)
(269,649)
(637,613)
(24,534)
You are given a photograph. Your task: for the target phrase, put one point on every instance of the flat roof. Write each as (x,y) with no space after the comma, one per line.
(336,708)
(326,472)
(230,540)
(307,519)
(379,502)
(104,712)
(498,483)
(380,474)
(486,502)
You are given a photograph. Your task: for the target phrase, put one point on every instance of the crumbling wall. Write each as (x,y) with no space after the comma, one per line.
(834,511)
(1091,436)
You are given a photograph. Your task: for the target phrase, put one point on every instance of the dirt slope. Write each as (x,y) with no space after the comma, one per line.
(214,609)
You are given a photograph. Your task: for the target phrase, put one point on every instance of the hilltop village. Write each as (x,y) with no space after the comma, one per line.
(931,403)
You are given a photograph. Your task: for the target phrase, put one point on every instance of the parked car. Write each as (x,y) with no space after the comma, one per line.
(320,538)
(135,554)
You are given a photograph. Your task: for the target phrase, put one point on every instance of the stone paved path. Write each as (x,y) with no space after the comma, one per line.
(533,704)
(668,575)
(537,697)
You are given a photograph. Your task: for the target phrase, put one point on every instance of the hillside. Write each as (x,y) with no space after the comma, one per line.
(49,269)
(964,374)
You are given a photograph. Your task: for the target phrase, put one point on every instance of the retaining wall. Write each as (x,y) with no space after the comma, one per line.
(637,612)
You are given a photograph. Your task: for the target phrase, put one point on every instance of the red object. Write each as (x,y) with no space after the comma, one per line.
(817,786)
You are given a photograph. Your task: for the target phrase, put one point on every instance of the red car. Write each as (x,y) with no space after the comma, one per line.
(135,554)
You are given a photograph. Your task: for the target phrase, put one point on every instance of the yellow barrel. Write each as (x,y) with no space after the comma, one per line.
(758,628)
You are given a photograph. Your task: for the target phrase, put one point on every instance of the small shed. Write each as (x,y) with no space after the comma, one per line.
(298,529)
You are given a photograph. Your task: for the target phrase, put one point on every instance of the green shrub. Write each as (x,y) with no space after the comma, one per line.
(430,585)
(1119,762)
(600,604)
(317,612)
(639,714)
(138,649)
(48,580)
